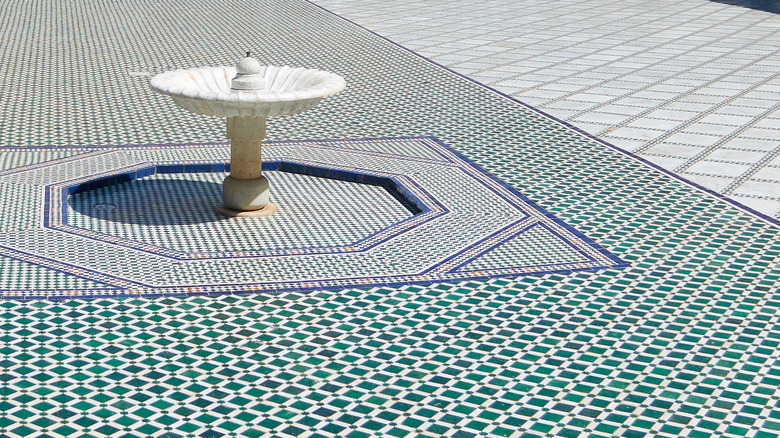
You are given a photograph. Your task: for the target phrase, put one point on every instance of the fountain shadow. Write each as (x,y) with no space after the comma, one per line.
(151,202)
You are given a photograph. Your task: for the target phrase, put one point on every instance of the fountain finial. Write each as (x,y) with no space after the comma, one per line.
(248,76)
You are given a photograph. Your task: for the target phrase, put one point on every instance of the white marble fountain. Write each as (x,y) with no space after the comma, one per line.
(247,94)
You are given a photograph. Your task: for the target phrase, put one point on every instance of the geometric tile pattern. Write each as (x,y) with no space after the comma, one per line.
(692,87)
(20,274)
(158,234)
(682,342)
(523,250)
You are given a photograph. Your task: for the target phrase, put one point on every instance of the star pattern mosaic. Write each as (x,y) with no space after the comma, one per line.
(681,342)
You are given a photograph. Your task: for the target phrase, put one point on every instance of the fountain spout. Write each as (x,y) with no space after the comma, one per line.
(248,76)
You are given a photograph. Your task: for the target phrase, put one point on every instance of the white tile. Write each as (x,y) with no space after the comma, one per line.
(669,114)
(771,87)
(769,207)
(466,71)
(683,82)
(531,100)
(762,133)
(601,118)
(670,88)
(513,68)
(555,86)
(594,129)
(494,74)
(518,83)
(542,94)
(675,150)
(638,80)
(609,91)
(690,106)
(579,81)
(769,124)
(726,119)
(635,101)
(693,139)
(452,58)
(737,156)
(668,163)
(768,173)
(588,97)
(718,168)
(636,133)
(562,114)
(621,109)
(755,103)
(759,188)
(660,95)
(717,94)
(571,105)
(625,143)
(710,129)
(647,122)
(686,61)
(716,183)
(512,91)
(599,75)
(752,144)
(729,85)
(701,98)
(760,94)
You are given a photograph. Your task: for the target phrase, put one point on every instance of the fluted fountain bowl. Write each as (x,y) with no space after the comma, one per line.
(287,90)
(247,95)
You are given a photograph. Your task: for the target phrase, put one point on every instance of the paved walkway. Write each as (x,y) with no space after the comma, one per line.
(691,85)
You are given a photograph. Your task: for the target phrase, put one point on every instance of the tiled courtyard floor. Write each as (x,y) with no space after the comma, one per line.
(445,261)
(693,85)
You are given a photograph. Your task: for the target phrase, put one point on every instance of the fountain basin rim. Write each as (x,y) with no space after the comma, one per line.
(207,91)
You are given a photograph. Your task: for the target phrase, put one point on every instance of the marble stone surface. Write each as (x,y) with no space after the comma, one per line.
(208,90)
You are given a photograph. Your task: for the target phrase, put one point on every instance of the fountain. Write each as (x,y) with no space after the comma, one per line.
(246,95)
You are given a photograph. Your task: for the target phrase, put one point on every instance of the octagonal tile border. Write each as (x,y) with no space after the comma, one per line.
(480,217)
(402,188)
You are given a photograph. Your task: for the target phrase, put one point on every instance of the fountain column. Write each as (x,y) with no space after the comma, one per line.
(245,192)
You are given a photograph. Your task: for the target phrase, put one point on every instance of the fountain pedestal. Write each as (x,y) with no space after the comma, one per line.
(245,192)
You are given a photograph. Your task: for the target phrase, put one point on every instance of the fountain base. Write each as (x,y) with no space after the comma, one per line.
(267,210)
(245,194)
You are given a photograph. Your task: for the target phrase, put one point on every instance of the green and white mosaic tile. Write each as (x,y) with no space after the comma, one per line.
(683,342)
(417,212)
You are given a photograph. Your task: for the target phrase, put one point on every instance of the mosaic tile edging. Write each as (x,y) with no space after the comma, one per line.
(529,202)
(644,161)
(361,282)
(463,264)
(423,207)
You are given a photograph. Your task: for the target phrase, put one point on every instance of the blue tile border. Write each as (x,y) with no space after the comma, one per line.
(528,201)
(394,185)
(459,267)
(405,189)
